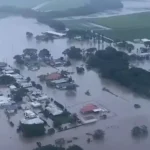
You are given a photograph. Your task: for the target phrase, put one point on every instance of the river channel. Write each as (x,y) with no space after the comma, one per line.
(117,128)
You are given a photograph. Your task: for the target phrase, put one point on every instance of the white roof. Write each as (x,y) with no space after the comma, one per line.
(16,76)
(35,104)
(145,40)
(29,114)
(21,81)
(36,120)
(12,87)
(56,33)
(8,71)
(59,81)
(53,109)
(90,120)
(4,100)
(42,97)
(100,110)
(26,85)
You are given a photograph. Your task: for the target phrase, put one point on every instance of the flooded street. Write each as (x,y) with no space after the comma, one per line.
(117,128)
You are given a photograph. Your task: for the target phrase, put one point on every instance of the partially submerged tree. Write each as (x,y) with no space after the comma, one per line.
(44,53)
(29,34)
(30,51)
(39,87)
(33,83)
(99,134)
(74,53)
(50,147)
(139,131)
(19,59)
(74,147)
(28,79)
(19,94)
(7,80)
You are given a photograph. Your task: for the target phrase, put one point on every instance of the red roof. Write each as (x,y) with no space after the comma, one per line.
(88,108)
(53,76)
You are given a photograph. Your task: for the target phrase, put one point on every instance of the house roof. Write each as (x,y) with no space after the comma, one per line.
(56,33)
(88,108)
(53,76)
(53,109)
(32,121)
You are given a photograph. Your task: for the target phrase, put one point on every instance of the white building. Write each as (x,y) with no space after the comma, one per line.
(29,114)
(12,87)
(8,71)
(42,98)
(16,76)
(26,85)
(36,120)
(35,104)
(53,109)
(5,101)
(88,119)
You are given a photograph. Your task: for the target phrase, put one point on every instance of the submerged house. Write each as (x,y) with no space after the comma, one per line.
(53,109)
(32,125)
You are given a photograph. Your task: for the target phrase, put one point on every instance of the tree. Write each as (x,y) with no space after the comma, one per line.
(19,59)
(99,134)
(56,124)
(33,83)
(38,86)
(147,44)
(17,71)
(29,34)
(50,147)
(30,51)
(28,79)
(44,53)
(19,94)
(7,80)
(73,118)
(139,131)
(74,147)
(74,53)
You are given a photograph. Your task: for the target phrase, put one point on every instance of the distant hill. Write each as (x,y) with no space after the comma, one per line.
(61,5)
(22,3)
(59,8)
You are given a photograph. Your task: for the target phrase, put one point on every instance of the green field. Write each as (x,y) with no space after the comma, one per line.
(125,27)
(139,20)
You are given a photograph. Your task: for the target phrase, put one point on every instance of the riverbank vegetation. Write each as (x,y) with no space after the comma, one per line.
(115,65)
(52,147)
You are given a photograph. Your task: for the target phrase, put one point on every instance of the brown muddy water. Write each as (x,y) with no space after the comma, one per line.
(117,128)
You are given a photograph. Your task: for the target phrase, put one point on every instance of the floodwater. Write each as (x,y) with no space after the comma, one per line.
(130,7)
(117,128)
